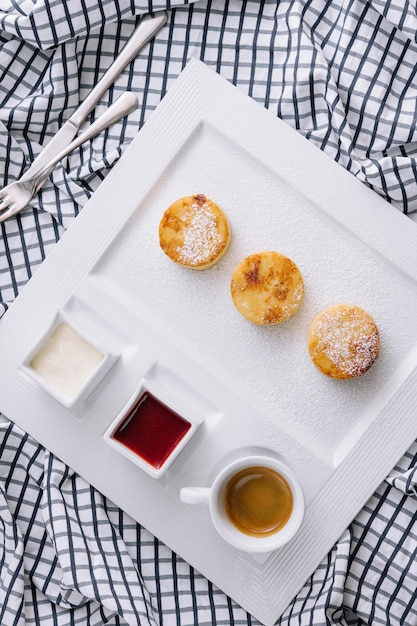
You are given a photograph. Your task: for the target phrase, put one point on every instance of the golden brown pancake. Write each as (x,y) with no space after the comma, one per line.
(267,288)
(343,341)
(194,232)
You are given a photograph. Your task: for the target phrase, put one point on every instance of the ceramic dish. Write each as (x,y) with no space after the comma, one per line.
(151,430)
(253,390)
(67,362)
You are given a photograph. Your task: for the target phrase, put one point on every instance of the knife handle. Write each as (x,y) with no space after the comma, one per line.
(126,103)
(143,33)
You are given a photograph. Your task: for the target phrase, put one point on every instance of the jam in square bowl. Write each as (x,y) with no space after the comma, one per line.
(152,429)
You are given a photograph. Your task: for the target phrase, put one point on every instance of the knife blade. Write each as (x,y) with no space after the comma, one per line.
(143,33)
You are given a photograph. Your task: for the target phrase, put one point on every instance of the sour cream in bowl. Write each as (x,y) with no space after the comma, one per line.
(66,362)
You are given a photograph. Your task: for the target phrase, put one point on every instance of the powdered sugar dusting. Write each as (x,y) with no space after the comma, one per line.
(351,342)
(202,241)
(296,297)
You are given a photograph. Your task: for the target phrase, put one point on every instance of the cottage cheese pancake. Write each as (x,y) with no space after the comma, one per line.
(194,232)
(267,288)
(343,341)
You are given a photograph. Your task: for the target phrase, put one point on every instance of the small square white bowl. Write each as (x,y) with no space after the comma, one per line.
(67,362)
(172,410)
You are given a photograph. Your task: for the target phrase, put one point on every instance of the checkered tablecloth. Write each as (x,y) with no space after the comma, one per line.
(343,74)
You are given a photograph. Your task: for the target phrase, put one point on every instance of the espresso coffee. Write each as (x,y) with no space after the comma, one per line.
(258,501)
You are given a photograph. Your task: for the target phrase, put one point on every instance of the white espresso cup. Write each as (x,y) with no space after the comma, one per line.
(256,503)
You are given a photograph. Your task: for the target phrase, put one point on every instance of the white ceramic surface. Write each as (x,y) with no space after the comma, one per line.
(254,390)
(86,376)
(214,497)
(160,393)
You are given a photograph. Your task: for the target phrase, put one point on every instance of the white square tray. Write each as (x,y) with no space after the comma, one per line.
(252,388)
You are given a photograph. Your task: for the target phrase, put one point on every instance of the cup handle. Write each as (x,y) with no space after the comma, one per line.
(195,495)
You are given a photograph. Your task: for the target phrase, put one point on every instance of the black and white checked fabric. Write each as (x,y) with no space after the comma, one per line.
(343,73)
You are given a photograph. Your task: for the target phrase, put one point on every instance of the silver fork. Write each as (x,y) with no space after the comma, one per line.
(17,195)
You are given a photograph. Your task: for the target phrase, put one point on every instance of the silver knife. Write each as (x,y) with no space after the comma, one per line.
(144,32)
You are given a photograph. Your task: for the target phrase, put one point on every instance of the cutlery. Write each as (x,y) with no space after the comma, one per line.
(17,195)
(144,32)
